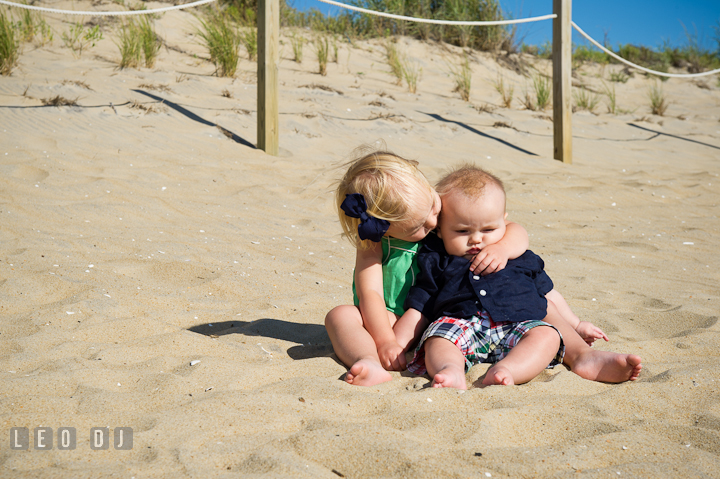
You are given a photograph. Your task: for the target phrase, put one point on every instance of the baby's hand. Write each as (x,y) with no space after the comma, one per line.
(491,259)
(589,332)
(392,356)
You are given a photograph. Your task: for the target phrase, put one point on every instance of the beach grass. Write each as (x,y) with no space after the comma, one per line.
(149,41)
(297,42)
(322,49)
(585,99)
(129,45)
(505,91)
(393,57)
(9,45)
(412,71)
(461,75)
(248,37)
(222,40)
(609,91)
(658,99)
(78,38)
(543,90)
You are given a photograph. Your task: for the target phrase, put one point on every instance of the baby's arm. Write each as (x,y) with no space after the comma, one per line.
(369,288)
(409,328)
(494,257)
(588,331)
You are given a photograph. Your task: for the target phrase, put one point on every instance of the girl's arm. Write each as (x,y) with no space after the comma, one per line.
(494,257)
(369,289)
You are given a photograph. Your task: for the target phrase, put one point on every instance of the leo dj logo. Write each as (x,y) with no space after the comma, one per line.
(66,438)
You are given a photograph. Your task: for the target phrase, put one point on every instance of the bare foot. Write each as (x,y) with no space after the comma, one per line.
(498,376)
(608,367)
(367,373)
(450,378)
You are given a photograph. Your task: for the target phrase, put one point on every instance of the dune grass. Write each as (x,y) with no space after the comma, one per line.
(412,71)
(138,40)
(657,98)
(505,91)
(297,42)
(220,36)
(461,75)
(129,45)
(393,57)
(609,91)
(543,90)
(9,45)
(322,49)
(149,41)
(585,99)
(78,38)
(248,37)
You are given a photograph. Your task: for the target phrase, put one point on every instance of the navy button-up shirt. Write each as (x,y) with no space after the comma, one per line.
(447,287)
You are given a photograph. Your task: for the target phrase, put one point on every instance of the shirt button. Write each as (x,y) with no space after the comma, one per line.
(476,277)
(482,292)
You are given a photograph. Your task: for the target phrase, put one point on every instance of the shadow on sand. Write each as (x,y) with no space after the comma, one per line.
(199,119)
(312,339)
(478,132)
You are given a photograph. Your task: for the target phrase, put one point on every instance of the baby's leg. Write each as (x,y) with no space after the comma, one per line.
(588,363)
(445,363)
(527,359)
(563,307)
(355,347)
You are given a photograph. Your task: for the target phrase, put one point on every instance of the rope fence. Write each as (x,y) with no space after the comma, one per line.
(105,13)
(653,72)
(439,22)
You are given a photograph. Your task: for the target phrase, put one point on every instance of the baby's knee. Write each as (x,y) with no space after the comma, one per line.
(547,334)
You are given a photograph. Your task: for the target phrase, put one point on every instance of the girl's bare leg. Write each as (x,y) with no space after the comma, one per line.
(445,363)
(588,363)
(527,359)
(355,347)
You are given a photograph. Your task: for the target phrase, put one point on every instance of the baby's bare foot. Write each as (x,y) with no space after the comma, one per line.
(608,367)
(498,376)
(367,373)
(450,378)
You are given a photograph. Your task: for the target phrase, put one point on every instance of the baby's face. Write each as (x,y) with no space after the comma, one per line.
(469,225)
(423,223)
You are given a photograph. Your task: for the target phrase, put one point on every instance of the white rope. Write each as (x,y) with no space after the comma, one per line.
(97,14)
(439,22)
(653,72)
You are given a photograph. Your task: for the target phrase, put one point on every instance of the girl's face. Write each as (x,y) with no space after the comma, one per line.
(417,228)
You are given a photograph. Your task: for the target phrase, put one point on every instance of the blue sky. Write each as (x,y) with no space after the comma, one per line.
(640,22)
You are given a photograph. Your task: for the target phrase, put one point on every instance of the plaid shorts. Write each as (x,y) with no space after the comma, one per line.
(480,339)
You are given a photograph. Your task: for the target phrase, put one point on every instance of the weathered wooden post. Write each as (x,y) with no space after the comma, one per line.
(267,72)
(562,81)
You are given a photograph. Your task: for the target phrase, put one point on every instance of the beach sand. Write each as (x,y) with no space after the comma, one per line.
(142,232)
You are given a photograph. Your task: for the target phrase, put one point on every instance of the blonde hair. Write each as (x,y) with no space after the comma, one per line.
(390,184)
(469,180)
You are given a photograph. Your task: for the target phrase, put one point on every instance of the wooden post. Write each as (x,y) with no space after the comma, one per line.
(562,80)
(267,71)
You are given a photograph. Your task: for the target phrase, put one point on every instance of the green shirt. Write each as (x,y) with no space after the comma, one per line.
(399,270)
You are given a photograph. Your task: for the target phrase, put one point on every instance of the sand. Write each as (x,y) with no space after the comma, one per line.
(158,272)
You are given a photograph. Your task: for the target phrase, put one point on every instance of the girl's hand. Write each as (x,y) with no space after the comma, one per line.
(589,332)
(392,356)
(491,259)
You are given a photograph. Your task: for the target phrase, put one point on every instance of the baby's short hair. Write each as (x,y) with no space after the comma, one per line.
(469,180)
(390,184)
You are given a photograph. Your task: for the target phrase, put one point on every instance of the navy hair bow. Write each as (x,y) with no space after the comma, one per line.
(370,227)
